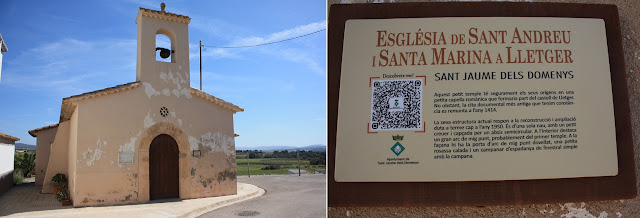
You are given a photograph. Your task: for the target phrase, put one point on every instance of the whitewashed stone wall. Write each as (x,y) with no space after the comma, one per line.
(6,158)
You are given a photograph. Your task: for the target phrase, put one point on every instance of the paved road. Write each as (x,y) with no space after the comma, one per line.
(286,196)
(26,201)
(26,197)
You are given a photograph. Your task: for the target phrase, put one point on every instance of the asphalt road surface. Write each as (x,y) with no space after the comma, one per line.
(286,196)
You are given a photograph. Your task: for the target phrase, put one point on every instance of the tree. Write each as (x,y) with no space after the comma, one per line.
(318,161)
(25,162)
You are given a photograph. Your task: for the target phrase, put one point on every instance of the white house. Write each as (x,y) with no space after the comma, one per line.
(7,150)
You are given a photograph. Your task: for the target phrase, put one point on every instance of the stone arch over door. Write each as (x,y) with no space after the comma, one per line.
(143,159)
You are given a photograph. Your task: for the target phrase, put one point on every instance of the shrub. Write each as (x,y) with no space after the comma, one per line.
(59,179)
(271,167)
(17,177)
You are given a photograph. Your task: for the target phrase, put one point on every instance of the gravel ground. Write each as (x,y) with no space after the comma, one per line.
(630,23)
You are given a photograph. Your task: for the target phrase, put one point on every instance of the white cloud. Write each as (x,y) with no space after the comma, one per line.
(285,34)
(295,51)
(62,18)
(249,84)
(217,28)
(215,53)
(299,56)
(72,66)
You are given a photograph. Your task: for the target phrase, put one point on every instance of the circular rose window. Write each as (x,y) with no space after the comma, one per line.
(164,111)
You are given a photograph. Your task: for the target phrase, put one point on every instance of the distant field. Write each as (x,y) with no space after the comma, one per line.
(258,164)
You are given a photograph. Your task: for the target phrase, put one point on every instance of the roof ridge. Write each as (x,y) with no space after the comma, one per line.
(164,14)
(65,108)
(2,135)
(216,100)
(101,90)
(33,131)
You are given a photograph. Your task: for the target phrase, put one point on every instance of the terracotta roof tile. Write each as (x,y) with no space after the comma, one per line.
(165,15)
(2,135)
(109,90)
(66,108)
(34,131)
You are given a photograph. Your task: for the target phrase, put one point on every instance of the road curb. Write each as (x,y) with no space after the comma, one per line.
(182,208)
(253,193)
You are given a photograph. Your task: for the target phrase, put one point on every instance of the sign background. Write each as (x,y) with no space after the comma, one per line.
(493,192)
(357,151)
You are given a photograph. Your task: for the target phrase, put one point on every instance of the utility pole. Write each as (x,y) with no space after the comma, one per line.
(298,154)
(200,65)
(248,165)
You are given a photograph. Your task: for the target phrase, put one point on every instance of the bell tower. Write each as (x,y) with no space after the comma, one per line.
(158,65)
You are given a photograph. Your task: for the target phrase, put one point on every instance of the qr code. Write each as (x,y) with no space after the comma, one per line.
(396,105)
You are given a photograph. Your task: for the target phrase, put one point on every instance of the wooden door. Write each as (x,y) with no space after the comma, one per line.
(163,168)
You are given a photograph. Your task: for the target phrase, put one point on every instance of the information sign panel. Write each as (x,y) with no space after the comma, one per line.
(477,104)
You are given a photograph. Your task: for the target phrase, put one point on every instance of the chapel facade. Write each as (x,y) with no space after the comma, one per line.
(153,138)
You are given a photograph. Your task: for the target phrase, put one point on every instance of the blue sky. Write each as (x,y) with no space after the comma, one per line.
(63,48)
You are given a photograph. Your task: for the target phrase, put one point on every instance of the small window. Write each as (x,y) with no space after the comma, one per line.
(163,42)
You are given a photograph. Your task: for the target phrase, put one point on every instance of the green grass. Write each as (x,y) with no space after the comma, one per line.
(259,163)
